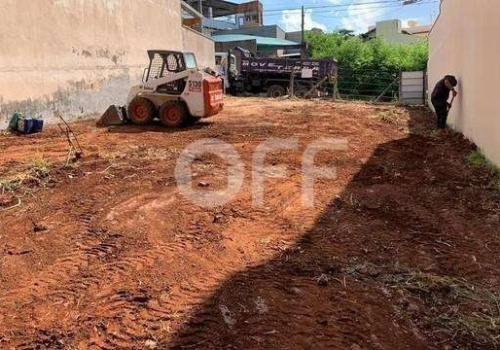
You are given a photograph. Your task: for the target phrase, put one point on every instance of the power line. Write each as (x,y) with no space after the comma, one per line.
(347,5)
(359,10)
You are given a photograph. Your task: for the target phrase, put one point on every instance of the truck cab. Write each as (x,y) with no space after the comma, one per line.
(225,63)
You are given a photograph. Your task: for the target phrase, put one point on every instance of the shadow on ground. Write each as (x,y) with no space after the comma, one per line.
(404,258)
(156,126)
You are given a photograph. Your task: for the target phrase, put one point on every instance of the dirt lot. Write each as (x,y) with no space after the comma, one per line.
(399,252)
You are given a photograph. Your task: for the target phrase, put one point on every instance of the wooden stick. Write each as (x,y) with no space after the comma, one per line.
(315,86)
(385,90)
(70,131)
(452,99)
(14,206)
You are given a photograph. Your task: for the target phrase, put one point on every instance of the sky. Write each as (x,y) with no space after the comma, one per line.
(356,15)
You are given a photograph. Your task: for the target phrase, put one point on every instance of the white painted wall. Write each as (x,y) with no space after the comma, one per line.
(79,56)
(464,42)
(202,46)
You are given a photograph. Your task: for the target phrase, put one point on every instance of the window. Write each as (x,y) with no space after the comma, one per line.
(190,61)
(172,63)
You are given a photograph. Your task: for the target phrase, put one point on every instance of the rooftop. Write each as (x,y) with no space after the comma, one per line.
(261,41)
(220,8)
(408,30)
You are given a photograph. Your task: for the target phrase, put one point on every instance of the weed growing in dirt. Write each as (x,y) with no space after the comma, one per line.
(156,153)
(110,157)
(37,173)
(39,167)
(466,311)
(477,160)
(389,116)
(351,202)
(420,131)
(9,185)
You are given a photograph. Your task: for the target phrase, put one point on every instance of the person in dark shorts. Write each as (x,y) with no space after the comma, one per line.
(440,97)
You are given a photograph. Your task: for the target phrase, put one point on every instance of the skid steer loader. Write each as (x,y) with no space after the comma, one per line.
(173,90)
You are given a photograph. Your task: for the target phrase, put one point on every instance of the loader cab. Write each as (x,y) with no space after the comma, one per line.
(190,61)
(163,63)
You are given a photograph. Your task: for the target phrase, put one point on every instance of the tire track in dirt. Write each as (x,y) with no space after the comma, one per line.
(178,300)
(147,313)
(283,204)
(62,282)
(57,286)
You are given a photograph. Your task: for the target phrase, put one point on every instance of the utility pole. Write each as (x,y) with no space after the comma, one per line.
(303,41)
(200,10)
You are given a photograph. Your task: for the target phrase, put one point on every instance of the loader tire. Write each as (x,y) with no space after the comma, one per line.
(141,111)
(173,114)
(276,91)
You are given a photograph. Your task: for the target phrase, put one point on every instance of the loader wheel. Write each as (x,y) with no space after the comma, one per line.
(141,111)
(173,114)
(276,91)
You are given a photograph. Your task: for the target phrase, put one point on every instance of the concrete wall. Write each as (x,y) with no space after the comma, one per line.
(202,46)
(79,56)
(464,43)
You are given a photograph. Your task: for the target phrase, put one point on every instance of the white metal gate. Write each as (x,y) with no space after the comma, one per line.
(412,88)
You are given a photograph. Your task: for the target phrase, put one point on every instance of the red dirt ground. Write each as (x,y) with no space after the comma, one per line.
(399,252)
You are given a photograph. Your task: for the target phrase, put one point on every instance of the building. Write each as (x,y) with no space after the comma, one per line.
(269,31)
(393,32)
(262,35)
(78,57)
(297,38)
(259,46)
(463,42)
(233,24)
(418,30)
(222,14)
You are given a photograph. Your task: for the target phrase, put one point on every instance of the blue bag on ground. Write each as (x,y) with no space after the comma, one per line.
(37,125)
(25,125)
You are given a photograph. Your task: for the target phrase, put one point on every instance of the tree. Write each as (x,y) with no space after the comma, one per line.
(367,67)
(346,33)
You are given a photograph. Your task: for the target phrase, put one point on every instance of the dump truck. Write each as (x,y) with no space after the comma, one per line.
(247,74)
(173,90)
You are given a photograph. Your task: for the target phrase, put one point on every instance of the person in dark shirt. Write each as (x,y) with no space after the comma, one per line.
(440,97)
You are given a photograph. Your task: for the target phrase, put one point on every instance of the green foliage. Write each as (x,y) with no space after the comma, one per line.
(476,159)
(366,68)
(356,53)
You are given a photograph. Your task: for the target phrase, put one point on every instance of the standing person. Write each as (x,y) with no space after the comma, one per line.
(440,97)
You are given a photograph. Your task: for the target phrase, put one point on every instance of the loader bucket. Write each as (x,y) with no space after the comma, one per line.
(114,115)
